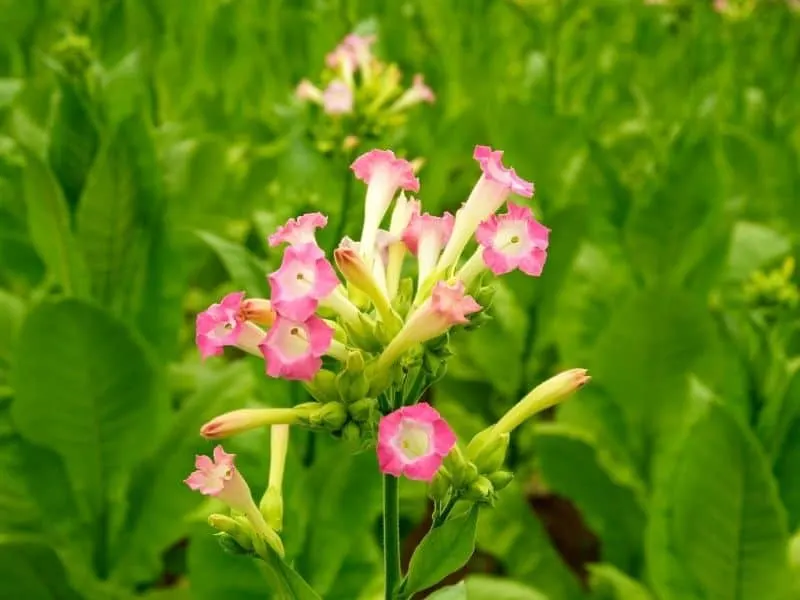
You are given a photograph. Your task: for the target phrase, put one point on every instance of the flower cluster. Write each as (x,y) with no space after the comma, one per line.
(360,96)
(368,341)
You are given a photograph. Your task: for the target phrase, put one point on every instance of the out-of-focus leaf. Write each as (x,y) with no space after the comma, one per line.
(12,311)
(511,532)
(609,583)
(442,551)
(103,384)
(786,474)
(609,495)
(717,527)
(9,88)
(482,587)
(49,225)
(753,246)
(33,572)
(245,270)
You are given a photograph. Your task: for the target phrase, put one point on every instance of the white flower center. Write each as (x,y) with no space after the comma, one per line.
(295,342)
(413,439)
(300,280)
(512,238)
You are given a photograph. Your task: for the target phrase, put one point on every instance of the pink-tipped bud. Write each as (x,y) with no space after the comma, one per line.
(245,419)
(353,268)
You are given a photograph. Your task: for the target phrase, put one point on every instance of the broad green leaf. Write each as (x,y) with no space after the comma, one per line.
(512,533)
(753,246)
(717,528)
(608,494)
(786,468)
(33,572)
(442,551)
(609,583)
(49,225)
(482,587)
(119,210)
(19,509)
(9,88)
(12,311)
(103,385)
(245,270)
(362,570)
(159,501)
(346,491)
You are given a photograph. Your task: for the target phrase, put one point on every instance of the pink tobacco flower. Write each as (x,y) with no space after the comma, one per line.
(225,324)
(413,441)
(425,237)
(337,99)
(303,279)
(300,230)
(417,93)
(294,349)
(447,306)
(219,477)
(308,91)
(514,240)
(383,173)
(353,52)
(493,188)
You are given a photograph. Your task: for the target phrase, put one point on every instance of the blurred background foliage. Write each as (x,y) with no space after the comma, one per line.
(146,150)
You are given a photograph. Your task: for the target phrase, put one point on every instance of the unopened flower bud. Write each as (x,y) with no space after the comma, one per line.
(355,362)
(330,416)
(480,490)
(491,455)
(551,392)
(352,386)
(258,310)
(440,486)
(231,545)
(323,386)
(238,531)
(245,419)
(351,432)
(272,508)
(500,479)
(462,472)
(353,268)
(363,410)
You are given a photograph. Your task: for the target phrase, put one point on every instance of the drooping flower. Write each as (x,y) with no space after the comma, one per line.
(224,324)
(425,236)
(298,231)
(417,93)
(294,349)
(413,441)
(515,240)
(303,279)
(383,173)
(219,477)
(337,99)
(447,306)
(308,91)
(493,188)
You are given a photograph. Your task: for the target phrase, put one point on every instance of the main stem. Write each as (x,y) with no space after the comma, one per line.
(391,535)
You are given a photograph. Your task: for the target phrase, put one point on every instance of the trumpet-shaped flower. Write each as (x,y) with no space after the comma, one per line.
(303,279)
(337,99)
(493,188)
(308,91)
(383,173)
(514,240)
(219,477)
(294,349)
(354,50)
(299,231)
(245,419)
(413,441)
(447,306)
(417,93)
(404,210)
(224,324)
(425,236)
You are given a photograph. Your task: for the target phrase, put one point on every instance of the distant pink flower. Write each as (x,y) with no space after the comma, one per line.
(303,279)
(308,91)
(413,441)
(384,174)
(417,93)
(354,51)
(447,306)
(720,5)
(514,240)
(294,349)
(300,230)
(225,324)
(220,478)
(337,99)
(493,188)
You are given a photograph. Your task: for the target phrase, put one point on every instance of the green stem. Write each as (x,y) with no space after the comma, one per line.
(440,518)
(391,535)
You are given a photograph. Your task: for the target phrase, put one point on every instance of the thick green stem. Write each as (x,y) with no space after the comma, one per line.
(391,535)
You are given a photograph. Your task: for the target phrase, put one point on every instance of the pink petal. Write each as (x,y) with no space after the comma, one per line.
(389,461)
(444,438)
(203,462)
(423,469)
(223,458)
(498,262)
(533,264)
(422,412)
(320,334)
(196,480)
(400,171)
(491,162)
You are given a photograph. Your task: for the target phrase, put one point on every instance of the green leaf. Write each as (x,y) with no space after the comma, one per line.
(609,583)
(33,572)
(753,246)
(12,311)
(717,483)
(49,225)
(119,209)
(512,533)
(244,269)
(159,500)
(442,551)
(76,358)
(482,587)
(609,495)
(786,468)
(9,88)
